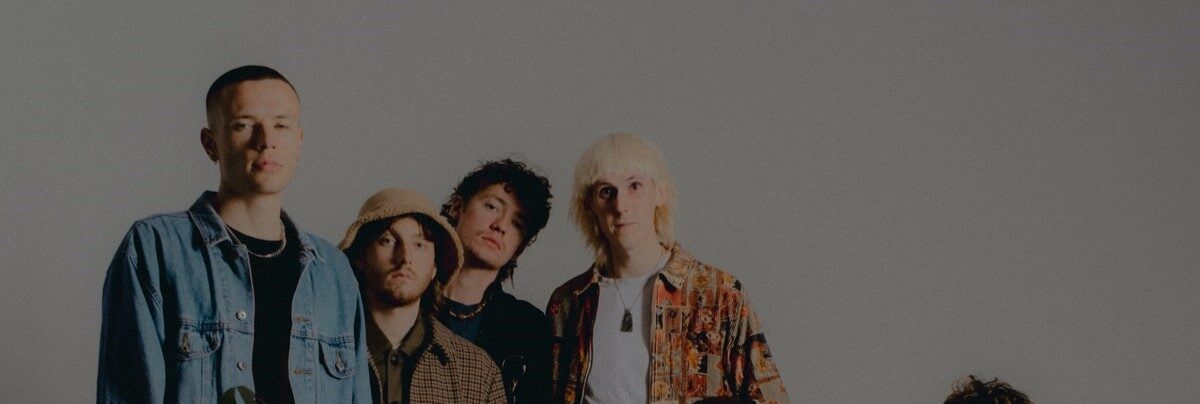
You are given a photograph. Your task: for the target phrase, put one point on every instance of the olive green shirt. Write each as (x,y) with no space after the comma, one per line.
(393,365)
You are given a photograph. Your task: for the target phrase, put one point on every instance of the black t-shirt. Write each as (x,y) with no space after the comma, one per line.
(469,328)
(274,282)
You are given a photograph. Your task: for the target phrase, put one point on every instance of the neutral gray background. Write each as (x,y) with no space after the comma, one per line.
(910,192)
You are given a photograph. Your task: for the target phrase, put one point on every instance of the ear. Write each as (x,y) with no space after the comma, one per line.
(456,207)
(210,145)
(660,195)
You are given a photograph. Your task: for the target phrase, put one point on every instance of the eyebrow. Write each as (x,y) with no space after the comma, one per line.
(420,234)
(498,199)
(248,116)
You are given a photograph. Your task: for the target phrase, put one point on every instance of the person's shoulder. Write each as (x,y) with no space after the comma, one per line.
(321,245)
(570,287)
(329,254)
(700,272)
(161,222)
(518,308)
(155,229)
(458,348)
(164,218)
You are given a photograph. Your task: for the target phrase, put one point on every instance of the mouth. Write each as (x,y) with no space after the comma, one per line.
(400,273)
(495,244)
(266,164)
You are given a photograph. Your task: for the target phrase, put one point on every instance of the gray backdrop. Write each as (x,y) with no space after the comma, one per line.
(910,192)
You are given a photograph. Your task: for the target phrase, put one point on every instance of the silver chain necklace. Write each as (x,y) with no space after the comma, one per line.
(273,254)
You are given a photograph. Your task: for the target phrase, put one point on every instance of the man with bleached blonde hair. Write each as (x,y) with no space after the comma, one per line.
(648,322)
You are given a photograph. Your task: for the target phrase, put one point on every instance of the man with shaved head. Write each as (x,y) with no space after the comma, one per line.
(229,301)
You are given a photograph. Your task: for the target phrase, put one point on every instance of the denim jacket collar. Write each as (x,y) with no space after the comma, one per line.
(212,228)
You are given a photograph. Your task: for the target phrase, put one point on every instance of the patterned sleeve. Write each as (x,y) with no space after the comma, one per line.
(753,369)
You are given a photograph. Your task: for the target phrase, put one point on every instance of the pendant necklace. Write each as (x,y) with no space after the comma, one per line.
(627,319)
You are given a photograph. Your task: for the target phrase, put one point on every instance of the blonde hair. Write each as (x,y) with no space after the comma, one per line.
(614,154)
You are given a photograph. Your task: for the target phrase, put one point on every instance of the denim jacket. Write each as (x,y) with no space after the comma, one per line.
(178,317)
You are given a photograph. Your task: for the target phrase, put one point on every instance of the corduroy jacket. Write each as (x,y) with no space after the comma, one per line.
(705,340)
(449,370)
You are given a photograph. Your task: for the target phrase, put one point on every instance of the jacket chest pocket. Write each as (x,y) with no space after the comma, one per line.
(193,349)
(194,344)
(335,382)
(338,357)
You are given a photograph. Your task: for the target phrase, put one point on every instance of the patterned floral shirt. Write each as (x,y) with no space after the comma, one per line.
(705,340)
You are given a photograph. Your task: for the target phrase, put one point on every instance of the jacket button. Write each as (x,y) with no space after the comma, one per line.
(241,315)
(395,358)
(340,366)
(241,365)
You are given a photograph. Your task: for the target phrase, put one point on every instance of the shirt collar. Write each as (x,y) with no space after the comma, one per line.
(379,347)
(674,273)
(212,228)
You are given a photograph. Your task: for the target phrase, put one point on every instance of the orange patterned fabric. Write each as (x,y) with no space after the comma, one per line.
(706,341)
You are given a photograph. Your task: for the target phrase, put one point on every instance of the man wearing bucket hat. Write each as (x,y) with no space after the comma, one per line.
(397,246)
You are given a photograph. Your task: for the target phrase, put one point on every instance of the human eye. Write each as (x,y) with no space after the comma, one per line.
(239,126)
(606,192)
(636,185)
(385,241)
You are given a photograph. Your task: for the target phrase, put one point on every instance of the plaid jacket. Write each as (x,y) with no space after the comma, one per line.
(705,339)
(449,370)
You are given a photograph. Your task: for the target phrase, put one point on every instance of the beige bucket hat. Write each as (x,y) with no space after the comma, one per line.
(392,202)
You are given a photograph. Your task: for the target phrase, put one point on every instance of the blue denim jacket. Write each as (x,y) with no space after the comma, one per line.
(178,318)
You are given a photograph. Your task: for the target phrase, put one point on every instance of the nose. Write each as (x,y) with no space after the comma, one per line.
(620,202)
(498,225)
(401,253)
(265,137)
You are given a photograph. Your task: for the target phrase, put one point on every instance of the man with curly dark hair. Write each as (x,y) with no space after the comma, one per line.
(974,391)
(497,211)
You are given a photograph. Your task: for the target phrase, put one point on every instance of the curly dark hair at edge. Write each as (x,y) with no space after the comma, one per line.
(531,190)
(974,391)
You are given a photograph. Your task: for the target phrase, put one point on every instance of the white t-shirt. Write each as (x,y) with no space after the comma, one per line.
(621,360)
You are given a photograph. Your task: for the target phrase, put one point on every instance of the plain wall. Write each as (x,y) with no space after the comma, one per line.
(909,191)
